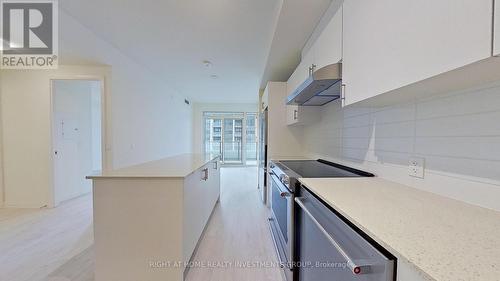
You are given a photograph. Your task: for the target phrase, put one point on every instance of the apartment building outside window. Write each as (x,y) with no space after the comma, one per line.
(232,135)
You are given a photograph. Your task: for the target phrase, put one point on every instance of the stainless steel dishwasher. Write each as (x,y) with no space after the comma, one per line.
(329,249)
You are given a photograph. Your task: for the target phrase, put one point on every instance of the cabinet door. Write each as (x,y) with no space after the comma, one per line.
(200,197)
(305,64)
(496,28)
(292,114)
(194,212)
(388,44)
(300,74)
(328,47)
(294,81)
(301,115)
(265,99)
(213,185)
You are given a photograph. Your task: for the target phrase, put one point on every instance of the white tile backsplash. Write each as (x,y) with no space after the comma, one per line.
(400,113)
(394,130)
(476,124)
(399,144)
(462,103)
(457,133)
(478,148)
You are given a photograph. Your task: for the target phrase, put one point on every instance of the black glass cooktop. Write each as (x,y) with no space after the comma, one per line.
(322,169)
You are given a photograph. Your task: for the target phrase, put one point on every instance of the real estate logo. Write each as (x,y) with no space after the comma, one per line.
(29,34)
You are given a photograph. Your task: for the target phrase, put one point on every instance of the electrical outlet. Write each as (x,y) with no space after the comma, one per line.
(416,167)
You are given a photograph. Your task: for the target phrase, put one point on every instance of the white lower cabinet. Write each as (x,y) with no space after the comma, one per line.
(201,192)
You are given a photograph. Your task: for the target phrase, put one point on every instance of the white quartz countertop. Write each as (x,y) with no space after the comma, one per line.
(178,166)
(442,238)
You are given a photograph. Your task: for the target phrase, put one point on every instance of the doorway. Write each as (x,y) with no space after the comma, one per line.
(76,136)
(231,135)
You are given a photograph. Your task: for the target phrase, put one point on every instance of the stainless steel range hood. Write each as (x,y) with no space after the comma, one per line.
(322,86)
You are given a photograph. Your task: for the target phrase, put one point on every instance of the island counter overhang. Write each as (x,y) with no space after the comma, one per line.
(149,218)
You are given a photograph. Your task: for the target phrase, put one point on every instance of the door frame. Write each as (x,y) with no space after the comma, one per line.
(105,164)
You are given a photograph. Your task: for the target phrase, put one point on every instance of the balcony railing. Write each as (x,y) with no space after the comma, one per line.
(233,151)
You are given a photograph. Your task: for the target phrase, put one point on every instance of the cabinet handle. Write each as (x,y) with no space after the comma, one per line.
(205,174)
(342,94)
(295,113)
(216,165)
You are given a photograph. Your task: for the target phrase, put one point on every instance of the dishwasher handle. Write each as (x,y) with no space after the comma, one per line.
(355,268)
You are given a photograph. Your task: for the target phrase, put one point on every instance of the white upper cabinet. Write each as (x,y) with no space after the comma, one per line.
(295,79)
(303,70)
(300,74)
(328,47)
(388,44)
(264,101)
(496,28)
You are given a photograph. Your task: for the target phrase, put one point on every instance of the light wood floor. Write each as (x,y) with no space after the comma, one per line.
(35,243)
(237,232)
(56,244)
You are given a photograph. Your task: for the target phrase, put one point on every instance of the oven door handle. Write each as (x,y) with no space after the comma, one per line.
(355,268)
(283,193)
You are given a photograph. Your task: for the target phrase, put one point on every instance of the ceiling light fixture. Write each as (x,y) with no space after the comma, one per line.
(207,63)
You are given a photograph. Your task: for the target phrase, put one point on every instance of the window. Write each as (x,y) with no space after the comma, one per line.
(232,135)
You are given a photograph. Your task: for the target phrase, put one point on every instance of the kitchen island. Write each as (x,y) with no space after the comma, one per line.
(148,218)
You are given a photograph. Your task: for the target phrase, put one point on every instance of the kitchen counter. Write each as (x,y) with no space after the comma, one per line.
(443,239)
(179,166)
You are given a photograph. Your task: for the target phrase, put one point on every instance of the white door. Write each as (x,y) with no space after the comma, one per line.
(76,136)
(66,143)
(388,44)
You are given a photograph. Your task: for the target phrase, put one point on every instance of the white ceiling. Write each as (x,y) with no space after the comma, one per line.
(244,39)
(296,23)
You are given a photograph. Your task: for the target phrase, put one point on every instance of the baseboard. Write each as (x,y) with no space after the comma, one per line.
(73,198)
(24,206)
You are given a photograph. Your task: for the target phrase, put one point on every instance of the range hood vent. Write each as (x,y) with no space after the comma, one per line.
(321,87)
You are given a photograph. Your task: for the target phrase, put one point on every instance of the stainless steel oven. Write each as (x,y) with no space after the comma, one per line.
(283,183)
(281,222)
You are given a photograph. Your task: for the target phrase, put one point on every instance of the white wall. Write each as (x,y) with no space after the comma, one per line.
(146,119)
(458,134)
(150,119)
(72,101)
(26,118)
(199,108)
